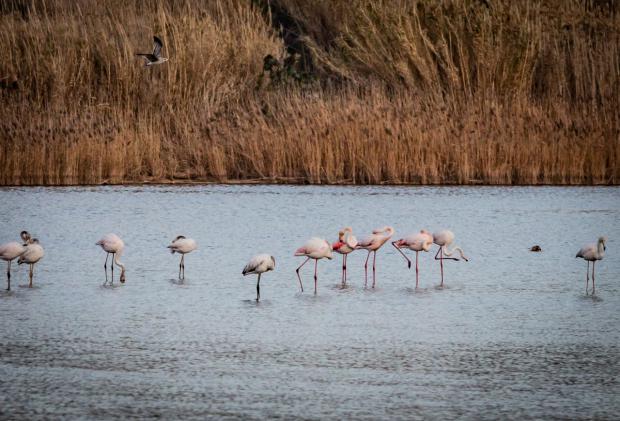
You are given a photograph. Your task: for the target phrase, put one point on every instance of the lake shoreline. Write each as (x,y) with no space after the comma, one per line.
(291,182)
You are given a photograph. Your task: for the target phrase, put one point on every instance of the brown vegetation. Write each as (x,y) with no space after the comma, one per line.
(360,91)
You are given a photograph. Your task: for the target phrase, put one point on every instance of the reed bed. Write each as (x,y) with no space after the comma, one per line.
(388,91)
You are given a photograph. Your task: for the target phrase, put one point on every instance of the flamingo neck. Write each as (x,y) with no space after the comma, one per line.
(387,231)
(117,257)
(449,253)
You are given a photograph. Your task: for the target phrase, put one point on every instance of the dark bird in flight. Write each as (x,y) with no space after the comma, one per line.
(155,57)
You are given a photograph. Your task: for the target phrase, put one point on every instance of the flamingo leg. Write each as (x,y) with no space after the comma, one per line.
(105,268)
(299,277)
(587,276)
(316,263)
(183,263)
(593,263)
(416,269)
(366,270)
(180,266)
(346,257)
(404,255)
(112,266)
(8,276)
(258,288)
(344,268)
(440,254)
(374,259)
(31,275)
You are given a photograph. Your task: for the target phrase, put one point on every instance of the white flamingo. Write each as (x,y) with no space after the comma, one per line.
(112,243)
(444,239)
(346,244)
(372,243)
(314,248)
(33,253)
(259,264)
(10,251)
(182,246)
(592,253)
(419,241)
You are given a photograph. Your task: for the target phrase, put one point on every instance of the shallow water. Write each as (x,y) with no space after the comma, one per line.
(512,335)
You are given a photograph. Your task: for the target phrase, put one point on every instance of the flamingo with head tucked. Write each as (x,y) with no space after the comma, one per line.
(420,241)
(315,248)
(182,246)
(372,243)
(346,244)
(112,243)
(259,264)
(12,250)
(33,253)
(444,239)
(592,253)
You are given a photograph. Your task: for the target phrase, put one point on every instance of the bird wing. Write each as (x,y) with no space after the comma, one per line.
(149,57)
(157,45)
(251,266)
(367,241)
(587,251)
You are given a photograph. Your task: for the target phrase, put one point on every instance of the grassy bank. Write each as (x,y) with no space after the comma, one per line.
(359,91)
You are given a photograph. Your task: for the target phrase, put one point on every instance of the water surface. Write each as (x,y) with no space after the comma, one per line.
(512,335)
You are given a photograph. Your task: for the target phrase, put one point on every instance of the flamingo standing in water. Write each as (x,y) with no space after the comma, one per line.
(11,251)
(259,264)
(372,243)
(443,239)
(420,241)
(33,253)
(315,248)
(346,244)
(182,246)
(592,253)
(112,243)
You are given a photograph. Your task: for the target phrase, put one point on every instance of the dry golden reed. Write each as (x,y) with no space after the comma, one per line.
(391,91)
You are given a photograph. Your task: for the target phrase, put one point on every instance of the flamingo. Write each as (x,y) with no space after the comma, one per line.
(346,244)
(112,243)
(182,246)
(33,253)
(259,264)
(420,241)
(444,239)
(10,251)
(372,243)
(315,248)
(591,253)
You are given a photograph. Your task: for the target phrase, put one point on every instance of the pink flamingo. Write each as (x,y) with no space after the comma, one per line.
(11,251)
(346,244)
(112,243)
(592,253)
(444,239)
(315,248)
(372,243)
(420,241)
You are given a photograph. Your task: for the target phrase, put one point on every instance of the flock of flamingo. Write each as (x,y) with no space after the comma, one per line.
(29,251)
